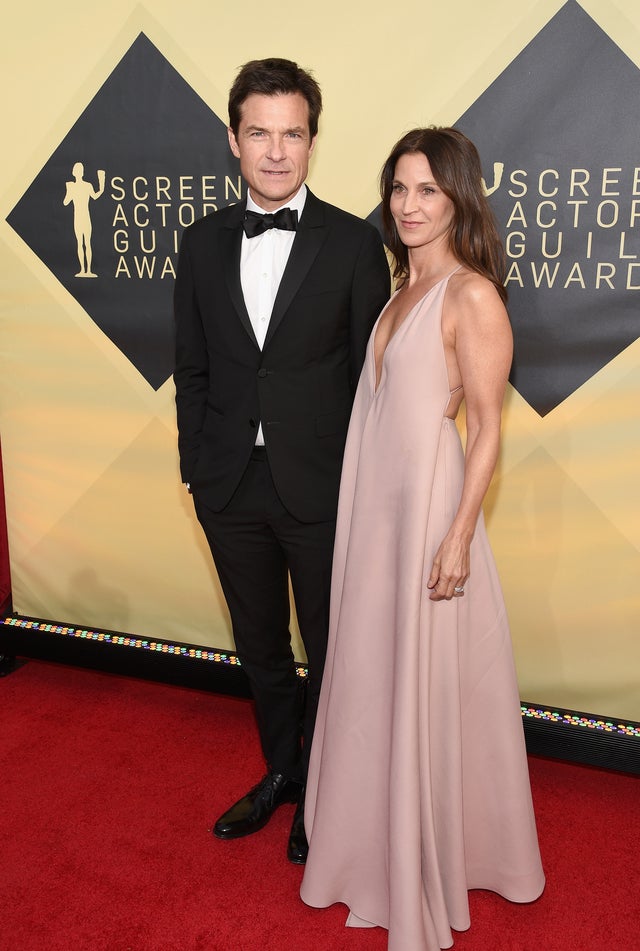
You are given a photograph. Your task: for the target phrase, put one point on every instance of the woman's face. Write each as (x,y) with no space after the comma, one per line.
(423,214)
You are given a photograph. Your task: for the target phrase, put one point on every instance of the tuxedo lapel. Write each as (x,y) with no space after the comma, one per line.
(309,238)
(231,248)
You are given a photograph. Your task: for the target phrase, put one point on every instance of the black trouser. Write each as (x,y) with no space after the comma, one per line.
(256,545)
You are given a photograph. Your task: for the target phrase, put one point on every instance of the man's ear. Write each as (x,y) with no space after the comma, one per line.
(233,145)
(313,144)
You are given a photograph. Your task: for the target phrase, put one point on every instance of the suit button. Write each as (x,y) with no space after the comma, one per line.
(262,372)
(252,423)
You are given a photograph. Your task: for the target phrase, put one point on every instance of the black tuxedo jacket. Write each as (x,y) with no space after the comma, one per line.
(300,386)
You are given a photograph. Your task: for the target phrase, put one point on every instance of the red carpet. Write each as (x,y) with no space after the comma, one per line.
(108,787)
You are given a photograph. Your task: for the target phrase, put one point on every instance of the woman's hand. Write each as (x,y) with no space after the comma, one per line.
(450,570)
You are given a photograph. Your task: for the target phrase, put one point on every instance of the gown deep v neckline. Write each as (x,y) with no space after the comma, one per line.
(378,378)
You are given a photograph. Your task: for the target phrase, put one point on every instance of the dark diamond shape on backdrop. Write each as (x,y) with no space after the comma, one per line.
(165,160)
(569,101)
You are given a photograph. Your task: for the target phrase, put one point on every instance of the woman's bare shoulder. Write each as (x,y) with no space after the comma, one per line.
(469,287)
(473,305)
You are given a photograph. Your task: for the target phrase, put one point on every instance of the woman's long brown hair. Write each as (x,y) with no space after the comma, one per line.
(455,163)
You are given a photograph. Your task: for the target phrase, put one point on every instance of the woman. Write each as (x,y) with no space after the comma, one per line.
(418,787)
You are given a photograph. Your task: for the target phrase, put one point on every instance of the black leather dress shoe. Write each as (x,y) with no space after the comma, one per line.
(298,847)
(253,811)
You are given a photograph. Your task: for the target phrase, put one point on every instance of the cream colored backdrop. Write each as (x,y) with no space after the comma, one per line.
(101,532)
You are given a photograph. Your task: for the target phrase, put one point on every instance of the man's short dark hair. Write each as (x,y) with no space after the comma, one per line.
(273,77)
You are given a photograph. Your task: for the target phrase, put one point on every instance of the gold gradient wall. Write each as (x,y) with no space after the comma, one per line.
(101,531)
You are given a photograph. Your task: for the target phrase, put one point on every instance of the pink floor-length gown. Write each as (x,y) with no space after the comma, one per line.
(418,787)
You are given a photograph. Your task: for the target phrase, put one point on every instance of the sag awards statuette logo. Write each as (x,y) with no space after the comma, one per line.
(136,168)
(80,193)
(567,200)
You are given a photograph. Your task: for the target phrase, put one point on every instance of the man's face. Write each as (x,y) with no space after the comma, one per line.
(274,145)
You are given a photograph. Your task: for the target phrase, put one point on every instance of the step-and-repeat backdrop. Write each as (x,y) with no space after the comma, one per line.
(115,140)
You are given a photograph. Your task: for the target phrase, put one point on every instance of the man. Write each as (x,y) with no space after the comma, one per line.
(272,319)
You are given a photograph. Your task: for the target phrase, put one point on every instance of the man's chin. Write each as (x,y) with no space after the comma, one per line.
(272,193)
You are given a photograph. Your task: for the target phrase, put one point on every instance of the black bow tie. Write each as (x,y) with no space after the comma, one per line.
(254,224)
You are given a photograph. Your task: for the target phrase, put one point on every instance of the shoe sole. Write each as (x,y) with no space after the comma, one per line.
(238,835)
(298,860)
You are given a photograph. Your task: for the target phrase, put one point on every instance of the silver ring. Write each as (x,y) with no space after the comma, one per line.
(459,590)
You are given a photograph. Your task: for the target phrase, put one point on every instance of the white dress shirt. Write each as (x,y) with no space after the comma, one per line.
(262,263)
